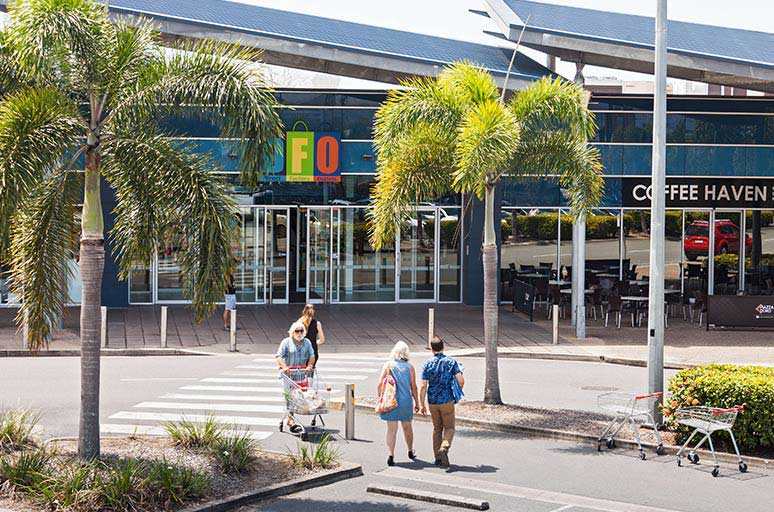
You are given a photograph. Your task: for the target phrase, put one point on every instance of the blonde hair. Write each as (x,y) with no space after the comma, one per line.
(400,351)
(294,326)
(307,315)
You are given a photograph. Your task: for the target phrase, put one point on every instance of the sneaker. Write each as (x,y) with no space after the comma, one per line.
(390,461)
(412,455)
(443,454)
(437,462)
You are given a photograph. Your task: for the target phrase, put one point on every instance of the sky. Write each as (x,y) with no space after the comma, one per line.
(451,18)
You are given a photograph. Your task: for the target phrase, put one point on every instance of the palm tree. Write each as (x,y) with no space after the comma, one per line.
(78,90)
(456,133)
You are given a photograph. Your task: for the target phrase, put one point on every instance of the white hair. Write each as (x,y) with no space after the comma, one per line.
(400,351)
(294,326)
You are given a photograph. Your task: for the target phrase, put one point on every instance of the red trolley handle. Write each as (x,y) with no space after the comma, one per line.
(651,395)
(735,408)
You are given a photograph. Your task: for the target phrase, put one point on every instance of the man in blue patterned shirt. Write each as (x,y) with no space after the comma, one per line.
(437,375)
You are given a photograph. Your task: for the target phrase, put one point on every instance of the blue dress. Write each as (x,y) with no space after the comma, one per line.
(401,372)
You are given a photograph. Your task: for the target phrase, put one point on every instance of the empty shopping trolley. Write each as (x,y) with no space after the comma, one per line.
(628,408)
(707,420)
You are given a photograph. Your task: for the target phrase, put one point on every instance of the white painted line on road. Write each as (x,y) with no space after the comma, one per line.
(211,407)
(522,382)
(147,430)
(321,367)
(246,389)
(565,507)
(325,361)
(275,380)
(323,377)
(159,378)
(339,358)
(518,492)
(225,398)
(196,418)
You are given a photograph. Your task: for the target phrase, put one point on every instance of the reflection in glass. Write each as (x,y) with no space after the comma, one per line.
(759,260)
(417,257)
(170,282)
(319,252)
(728,241)
(529,241)
(140,284)
(449,256)
(277,254)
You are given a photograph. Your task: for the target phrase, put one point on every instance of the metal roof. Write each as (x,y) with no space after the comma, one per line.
(729,56)
(323,44)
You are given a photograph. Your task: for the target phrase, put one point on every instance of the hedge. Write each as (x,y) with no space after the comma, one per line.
(543,227)
(726,386)
(732,260)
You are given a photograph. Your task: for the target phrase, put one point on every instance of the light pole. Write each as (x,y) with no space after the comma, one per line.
(656,294)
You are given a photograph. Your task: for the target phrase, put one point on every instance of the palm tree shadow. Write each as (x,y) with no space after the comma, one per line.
(481,468)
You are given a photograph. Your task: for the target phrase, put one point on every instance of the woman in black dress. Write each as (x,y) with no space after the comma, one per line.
(314,330)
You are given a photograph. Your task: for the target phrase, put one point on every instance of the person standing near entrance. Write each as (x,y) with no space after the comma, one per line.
(438,373)
(230,302)
(314,330)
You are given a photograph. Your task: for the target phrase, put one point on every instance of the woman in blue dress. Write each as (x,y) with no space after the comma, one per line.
(406,396)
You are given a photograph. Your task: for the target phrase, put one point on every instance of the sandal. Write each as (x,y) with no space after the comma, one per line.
(296,429)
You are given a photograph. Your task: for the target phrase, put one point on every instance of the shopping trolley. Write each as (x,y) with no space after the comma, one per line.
(707,420)
(305,395)
(627,408)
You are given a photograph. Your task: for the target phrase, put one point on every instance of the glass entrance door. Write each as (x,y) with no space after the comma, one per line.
(416,248)
(319,254)
(277,250)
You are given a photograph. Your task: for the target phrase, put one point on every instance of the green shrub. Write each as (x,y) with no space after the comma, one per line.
(25,471)
(323,456)
(726,386)
(173,484)
(122,485)
(16,429)
(191,434)
(70,487)
(601,226)
(235,453)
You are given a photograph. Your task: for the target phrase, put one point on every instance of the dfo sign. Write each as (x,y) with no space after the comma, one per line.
(312,156)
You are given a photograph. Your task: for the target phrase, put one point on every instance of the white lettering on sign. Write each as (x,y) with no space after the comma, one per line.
(641,192)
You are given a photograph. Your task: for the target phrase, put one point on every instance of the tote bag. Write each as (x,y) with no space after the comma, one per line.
(387,399)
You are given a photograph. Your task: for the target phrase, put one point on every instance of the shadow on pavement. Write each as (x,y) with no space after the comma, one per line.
(307,505)
(481,468)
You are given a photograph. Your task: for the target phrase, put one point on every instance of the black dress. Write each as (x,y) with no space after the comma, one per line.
(311,335)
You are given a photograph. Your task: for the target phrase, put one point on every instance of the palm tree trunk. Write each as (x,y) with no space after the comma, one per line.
(92,263)
(491,277)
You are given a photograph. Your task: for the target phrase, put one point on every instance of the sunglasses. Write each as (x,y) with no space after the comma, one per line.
(299,330)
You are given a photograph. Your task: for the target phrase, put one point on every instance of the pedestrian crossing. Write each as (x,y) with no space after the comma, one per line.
(247,399)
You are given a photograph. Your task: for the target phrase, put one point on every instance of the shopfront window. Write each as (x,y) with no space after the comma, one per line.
(759,260)
(449,256)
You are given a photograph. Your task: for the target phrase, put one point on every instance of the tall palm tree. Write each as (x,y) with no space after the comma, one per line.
(80,91)
(456,133)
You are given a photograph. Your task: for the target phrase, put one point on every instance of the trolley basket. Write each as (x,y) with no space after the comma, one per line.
(305,395)
(706,421)
(628,408)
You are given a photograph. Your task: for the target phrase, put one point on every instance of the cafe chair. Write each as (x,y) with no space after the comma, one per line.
(559,299)
(700,305)
(616,307)
(595,301)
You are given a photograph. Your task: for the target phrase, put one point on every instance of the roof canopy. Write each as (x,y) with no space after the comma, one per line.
(705,53)
(321,44)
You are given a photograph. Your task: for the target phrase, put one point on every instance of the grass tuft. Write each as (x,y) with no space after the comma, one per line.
(16,429)
(190,434)
(173,484)
(26,470)
(322,456)
(236,452)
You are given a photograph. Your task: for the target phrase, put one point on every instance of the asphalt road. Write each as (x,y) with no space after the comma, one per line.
(514,474)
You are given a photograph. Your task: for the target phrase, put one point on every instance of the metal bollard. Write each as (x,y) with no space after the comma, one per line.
(232,345)
(163,326)
(430,325)
(349,411)
(104,327)
(555,314)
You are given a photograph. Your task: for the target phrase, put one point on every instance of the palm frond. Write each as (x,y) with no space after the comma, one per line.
(163,189)
(487,138)
(468,82)
(44,236)
(419,170)
(554,104)
(133,51)
(212,81)
(38,128)
(12,75)
(60,37)
(573,163)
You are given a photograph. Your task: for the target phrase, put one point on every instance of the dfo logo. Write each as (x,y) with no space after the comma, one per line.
(312,156)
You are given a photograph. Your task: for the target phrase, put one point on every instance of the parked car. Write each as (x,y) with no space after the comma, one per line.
(726,239)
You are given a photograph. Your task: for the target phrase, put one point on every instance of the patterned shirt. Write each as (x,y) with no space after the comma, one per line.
(293,354)
(439,372)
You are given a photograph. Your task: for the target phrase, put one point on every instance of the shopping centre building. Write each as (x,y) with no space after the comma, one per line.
(303,232)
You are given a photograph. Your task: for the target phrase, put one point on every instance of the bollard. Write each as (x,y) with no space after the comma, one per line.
(430,326)
(349,411)
(163,326)
(104,327)
(232,345)
(555,314)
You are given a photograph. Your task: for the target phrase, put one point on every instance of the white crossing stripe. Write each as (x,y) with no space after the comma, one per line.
(336,357)
(273,362)
(224,398)
(147,430)
(246,389)
(324,377)
(241,381)
(514,491)
(196,418)
(280,409)
(324,368)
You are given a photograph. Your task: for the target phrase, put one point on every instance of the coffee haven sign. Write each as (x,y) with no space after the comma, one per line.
(701,193)
(307,157)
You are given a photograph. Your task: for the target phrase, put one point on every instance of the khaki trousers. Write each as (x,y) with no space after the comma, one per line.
(443,426)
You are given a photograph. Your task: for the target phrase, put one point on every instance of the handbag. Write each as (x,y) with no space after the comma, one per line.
(387,399)
(456,389)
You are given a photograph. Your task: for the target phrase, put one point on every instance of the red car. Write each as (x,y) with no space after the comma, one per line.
(726,239)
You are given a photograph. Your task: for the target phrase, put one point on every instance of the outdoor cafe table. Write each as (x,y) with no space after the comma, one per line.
(556,282)
(637,301)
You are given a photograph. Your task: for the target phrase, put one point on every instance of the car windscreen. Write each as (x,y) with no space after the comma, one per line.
(696,231)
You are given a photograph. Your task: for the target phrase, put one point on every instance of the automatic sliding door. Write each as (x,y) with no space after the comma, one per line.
(319,254)
(417,257)
(277,248)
